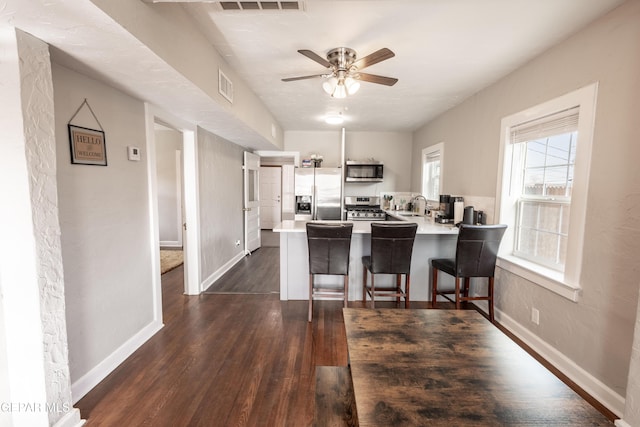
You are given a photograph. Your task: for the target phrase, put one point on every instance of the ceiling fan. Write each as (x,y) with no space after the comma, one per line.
(344,70)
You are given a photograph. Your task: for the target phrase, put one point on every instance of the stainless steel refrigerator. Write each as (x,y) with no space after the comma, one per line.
(318,193)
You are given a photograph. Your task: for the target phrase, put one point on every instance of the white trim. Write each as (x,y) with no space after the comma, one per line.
(596,388)
(179,199)
(191,211)
(585,98)
(621,423)
(548,279)
(220,272)
(170,244)
(295,155)
(425,151)
(70,419)
(91,379)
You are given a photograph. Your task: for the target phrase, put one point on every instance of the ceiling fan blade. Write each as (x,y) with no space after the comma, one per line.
(315,57)
(374,58)
(382,80)
(292,79)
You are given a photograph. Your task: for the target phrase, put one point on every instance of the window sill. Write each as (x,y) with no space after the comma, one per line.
(547,278)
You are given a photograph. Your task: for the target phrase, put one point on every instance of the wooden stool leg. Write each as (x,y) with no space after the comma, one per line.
(457,293)
(346,290)
(364,284)
(398,288)
(466,287)
(310,297)
(407,288)
(491,318)
(434,290)
(373,291)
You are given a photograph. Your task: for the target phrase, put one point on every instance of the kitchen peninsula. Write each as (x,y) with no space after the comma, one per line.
(432,240)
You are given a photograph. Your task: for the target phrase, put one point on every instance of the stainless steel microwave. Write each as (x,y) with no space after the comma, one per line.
(363,171)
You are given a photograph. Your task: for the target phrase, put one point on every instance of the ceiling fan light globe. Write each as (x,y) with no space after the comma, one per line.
(330,85)
(340,91)
(352,85)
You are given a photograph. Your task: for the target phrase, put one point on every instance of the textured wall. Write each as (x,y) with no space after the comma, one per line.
(595,333)
(221,200)
(37,99)
(104,217)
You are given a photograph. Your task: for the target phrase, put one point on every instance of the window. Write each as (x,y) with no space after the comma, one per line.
(432,160)
(546,153)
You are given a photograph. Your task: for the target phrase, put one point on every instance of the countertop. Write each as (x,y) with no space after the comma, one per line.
(426,225)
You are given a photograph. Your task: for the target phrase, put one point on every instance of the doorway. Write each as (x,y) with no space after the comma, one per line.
(188,221)
(168,144)
(270,196)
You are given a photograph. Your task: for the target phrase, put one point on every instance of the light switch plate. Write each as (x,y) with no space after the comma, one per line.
(134,153)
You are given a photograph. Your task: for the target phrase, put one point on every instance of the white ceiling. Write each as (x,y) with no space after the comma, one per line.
(446,50)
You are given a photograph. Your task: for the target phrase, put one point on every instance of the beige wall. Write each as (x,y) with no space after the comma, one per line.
(392,148)
(220,198)
(104,219)
(596,332)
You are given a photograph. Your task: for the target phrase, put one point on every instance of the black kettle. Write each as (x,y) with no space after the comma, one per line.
(467,216)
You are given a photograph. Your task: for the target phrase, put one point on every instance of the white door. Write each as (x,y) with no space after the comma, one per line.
(270,195)
(251,202)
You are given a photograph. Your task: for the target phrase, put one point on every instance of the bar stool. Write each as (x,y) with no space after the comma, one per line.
(329,246)
(391,249)
(476,253)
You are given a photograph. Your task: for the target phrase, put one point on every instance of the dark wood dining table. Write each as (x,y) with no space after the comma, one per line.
(453,368)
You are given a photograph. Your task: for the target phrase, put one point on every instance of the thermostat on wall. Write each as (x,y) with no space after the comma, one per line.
(134,154)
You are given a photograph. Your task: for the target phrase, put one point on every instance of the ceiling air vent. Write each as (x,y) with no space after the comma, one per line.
(225,86)
(261,5)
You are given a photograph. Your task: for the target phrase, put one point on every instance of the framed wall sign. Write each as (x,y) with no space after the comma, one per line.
(87,146)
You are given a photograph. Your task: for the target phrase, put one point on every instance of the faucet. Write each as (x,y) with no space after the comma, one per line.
(415,198)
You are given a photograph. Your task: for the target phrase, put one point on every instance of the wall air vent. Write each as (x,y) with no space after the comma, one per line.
(225,86)
(261,5)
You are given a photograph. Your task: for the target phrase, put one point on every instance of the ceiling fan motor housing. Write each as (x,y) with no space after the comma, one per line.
(341,58)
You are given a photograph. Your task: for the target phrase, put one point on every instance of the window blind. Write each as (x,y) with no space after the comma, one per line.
(544,127)
(433,156)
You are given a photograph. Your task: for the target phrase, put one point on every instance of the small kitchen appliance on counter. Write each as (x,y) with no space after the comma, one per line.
(364,208)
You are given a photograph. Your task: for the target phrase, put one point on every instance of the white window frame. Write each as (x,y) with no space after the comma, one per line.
(565,283)
(425,153)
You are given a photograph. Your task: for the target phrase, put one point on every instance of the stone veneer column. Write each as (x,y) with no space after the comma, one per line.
(34,363)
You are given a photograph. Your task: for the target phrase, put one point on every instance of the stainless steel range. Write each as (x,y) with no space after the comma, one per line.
(365,208)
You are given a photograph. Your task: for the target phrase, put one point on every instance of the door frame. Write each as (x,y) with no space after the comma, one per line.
(191,244)
(247,204)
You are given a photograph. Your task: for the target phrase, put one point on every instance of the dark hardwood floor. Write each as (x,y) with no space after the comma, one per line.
(258,273)
(225,360)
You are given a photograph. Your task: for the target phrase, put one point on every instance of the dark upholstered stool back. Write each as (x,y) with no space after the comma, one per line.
(391,247)
(329,246)
(477,250)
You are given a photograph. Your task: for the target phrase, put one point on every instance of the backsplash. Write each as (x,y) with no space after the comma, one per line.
(485,204)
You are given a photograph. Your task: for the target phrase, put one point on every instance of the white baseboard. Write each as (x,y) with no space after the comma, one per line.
(91,379)
(596,388)
(220,272)
(622,423)
(70,419)
(170,244)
